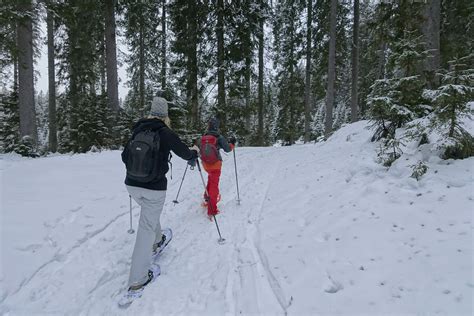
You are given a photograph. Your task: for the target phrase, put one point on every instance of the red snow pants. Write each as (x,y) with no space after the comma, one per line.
(213,175)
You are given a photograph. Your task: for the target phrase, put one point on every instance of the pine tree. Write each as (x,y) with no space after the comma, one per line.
(10,126)
(79,42)
(456,30)
(331,69)
(193,39)
(26,94)
(42,120)
(452,108)
(320,56)
(52,133)
(141,21)
(396,100)
(288,39)
(242,30)
(111,55)
(262,9)
(307,92)
(355,64)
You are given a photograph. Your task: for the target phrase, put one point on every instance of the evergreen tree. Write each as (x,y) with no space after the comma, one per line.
(42,120)
(79,46)
(288,45)
(52,133)
(192,25)
(452,108)
(395,101)
(111,55)
(457,28)
(142,21)
(242,28)
(321,54)
(26,94)
(10,116)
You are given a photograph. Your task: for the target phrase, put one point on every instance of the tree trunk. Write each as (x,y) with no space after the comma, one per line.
(261,46)
(248,73)
(111,56)
(382,61)
(142,67)
(26,94)
(15,65)
(220,63)
(192,67)
(52,138)
(307,91)
(163,46)
(331,69)
(355,63)
(103,67)
(431,31)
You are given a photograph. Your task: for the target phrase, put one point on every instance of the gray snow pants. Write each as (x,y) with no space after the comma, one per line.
(148,232)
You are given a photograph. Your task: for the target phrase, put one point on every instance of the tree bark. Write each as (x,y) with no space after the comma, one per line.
(103,67)
(192,67)
(431,31)
(248,72)
(163,46)
(15,64)
(52,138)
(331,69)
(307,91)
(261,46)
(111,56)
(220,62)
(26,94)
(355,64)
(141,56)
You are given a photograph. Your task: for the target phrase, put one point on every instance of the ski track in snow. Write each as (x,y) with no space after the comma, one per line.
(62,257)
(288,247)
(250,260)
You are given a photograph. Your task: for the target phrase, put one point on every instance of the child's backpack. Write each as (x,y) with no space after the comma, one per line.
(142,162)
(208,150)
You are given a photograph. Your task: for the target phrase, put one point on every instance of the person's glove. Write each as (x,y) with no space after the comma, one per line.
(196,148)
(194,157)
(192,162)
(195,154)
(232,140)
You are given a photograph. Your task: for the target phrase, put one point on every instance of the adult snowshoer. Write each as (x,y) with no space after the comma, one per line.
(211,143)
(146,157)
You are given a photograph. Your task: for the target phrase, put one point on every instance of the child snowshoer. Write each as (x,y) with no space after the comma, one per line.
(211,143)
(146,159)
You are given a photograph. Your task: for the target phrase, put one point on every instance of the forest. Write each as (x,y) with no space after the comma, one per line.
(273,72)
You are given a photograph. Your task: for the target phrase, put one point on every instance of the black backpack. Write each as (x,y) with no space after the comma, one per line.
(142,160)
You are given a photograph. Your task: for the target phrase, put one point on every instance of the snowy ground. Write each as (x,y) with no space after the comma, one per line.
(322,230)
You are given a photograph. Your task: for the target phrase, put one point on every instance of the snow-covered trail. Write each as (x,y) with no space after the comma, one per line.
(322,229)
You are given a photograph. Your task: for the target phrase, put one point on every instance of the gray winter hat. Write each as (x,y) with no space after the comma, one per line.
(159,107)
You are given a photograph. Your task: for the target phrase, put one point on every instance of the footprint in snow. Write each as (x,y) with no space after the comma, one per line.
(32,247)
(332,286)
(323,237)
(76,209)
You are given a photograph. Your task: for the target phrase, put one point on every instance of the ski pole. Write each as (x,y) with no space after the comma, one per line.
(175,201)
(220,240)
(130,231)
(236,178)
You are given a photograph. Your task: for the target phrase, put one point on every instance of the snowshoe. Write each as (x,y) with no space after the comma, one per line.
(133,294)
(167,235)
